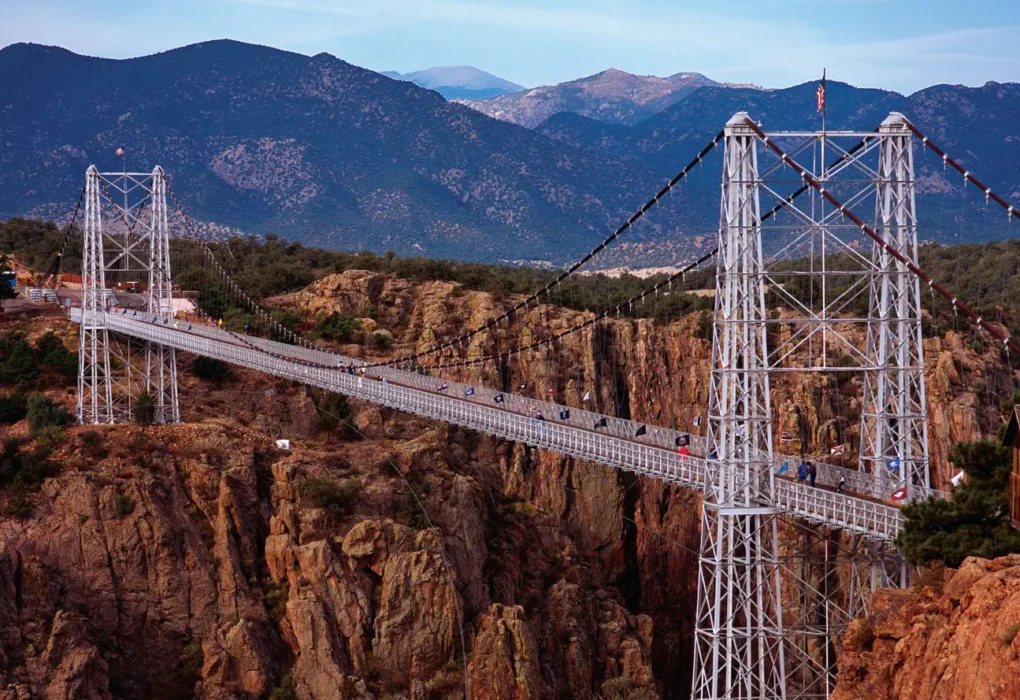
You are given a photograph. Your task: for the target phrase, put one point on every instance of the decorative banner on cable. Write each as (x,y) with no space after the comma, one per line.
(838,450)
(784,467)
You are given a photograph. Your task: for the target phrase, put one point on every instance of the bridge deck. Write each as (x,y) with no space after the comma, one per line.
(616,444)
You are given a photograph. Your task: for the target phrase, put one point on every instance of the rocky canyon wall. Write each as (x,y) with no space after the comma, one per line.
(194,560)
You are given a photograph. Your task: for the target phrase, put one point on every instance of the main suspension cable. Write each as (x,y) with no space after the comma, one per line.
(534,298)
(232,286)
(666,283)
(54,269)
(967,175)
(579,326)
(870,232)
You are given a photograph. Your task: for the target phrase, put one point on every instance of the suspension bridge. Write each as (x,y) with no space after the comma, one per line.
(849,289)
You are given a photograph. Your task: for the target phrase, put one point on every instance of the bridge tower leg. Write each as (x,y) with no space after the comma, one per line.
(894,423)
(161,361)
(95,381)
(739,640)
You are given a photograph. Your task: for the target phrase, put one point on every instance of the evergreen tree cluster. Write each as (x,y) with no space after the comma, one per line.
(23,369)
(974,522)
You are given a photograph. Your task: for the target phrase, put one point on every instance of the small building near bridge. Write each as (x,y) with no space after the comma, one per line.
(1012,440)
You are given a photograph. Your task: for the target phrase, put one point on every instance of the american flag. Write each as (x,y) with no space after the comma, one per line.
(820,94)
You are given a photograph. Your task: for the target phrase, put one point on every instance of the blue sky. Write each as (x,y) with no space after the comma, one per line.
(901,45)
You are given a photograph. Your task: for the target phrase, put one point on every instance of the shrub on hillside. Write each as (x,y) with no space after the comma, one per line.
(43,413)
(12,408)
(704,328)
(339,327)
(125,506)
(336,498)
(25,470)
(144,410)
(49,438)
(47,343)
(19,363)
(210,369)
(381,339)
(333,409)
(408,511)
(92,444)
(50,351)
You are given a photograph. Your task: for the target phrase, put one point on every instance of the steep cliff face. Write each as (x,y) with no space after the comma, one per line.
(952,640)
(190,558)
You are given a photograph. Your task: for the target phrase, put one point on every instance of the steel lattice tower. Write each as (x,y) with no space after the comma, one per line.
(894,423)
(95,385)
(739,650)
(111,374)
(751,642)
(161,361)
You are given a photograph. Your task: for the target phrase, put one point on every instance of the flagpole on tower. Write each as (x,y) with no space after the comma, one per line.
(821,100)
(123,162)
(124,185)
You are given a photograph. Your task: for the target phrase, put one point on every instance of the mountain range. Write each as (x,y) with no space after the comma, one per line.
(320,151)
(258,140)
(979,126)
(612,97)
(458,82)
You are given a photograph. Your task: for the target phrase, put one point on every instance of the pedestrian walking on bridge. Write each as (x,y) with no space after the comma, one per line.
(802,472)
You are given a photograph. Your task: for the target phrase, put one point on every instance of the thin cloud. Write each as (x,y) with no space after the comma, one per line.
(536,43)
(777,53)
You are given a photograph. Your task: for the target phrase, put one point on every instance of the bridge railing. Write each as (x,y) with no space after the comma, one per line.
(828,474)
(559,435)
(622,451)
(578,417)
(839,510)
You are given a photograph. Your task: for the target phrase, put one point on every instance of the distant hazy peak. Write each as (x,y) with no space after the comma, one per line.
(456,76)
